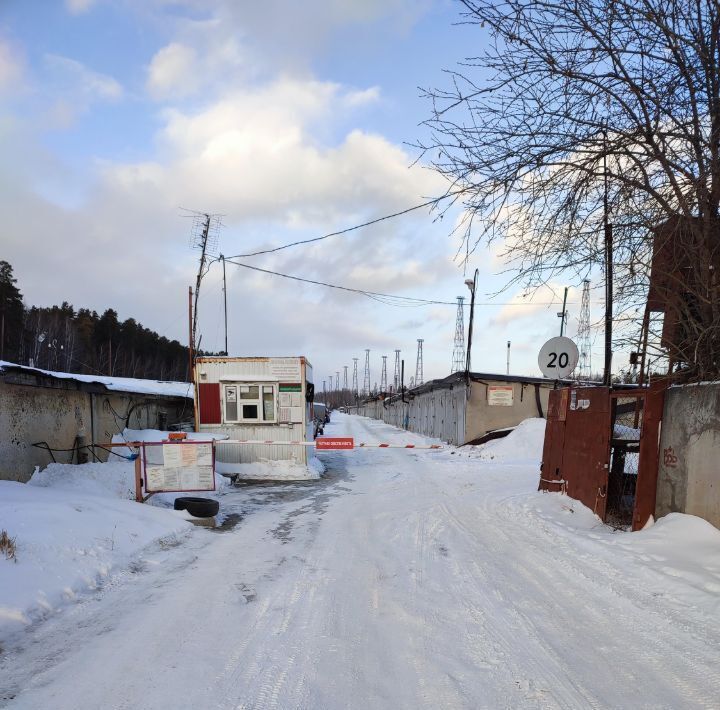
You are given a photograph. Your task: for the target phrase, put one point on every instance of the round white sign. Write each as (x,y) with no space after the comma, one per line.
(558,358)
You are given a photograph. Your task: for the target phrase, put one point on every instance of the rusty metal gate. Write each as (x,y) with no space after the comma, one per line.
(601,448)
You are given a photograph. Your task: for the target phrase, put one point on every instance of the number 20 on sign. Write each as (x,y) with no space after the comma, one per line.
(558,358)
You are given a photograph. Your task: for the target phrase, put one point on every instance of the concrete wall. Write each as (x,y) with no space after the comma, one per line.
(482,417)
(445,414)
(34,414)
(689,470)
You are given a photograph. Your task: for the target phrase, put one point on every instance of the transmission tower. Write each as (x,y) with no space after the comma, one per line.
(345,367)
(366,379)
(355,377)
(337,381)
(419,364)
(396,376)
(583,334)
(458,359)
(383,375)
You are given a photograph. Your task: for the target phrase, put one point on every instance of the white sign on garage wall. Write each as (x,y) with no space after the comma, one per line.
(500,395)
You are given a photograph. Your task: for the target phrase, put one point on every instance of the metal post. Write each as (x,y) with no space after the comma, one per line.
(225,300)
(607,374)
(472,285)
(138,475)
(508,357)
(563,314)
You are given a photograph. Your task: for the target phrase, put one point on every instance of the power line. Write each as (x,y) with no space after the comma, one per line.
(345,231)
(395,300)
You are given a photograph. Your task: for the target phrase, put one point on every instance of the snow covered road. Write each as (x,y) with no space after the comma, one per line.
(403,579)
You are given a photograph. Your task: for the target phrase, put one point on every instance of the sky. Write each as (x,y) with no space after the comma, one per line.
(290,120)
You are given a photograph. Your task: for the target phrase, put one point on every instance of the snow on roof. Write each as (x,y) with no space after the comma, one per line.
(117,384)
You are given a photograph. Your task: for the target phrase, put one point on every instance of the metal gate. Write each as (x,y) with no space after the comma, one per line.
(601,448)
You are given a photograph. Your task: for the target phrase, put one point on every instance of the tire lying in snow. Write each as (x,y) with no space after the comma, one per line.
(198,507)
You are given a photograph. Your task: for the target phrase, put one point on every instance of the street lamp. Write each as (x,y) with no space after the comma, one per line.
(472,285)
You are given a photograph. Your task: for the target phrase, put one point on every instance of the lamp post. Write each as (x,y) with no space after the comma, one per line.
(472,285)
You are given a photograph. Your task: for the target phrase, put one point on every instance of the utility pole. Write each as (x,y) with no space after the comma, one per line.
(383,374)
(508,358)
(202,245)
(366,379)
(419,364)
(563,314)
(204,236)
(607,371)
(396,377)
(458,359)
(472,285)
(225,301)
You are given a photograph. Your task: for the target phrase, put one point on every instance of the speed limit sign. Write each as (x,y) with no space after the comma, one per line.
(558,358)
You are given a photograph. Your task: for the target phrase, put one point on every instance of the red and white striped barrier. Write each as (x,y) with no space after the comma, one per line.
(327,443)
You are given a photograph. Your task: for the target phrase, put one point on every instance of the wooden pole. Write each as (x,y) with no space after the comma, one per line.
(190,334)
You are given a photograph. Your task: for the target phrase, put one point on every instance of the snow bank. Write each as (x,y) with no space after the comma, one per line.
(117,384)
(266,470)
(114,479)
(68,541)
(522,445)
(73,525)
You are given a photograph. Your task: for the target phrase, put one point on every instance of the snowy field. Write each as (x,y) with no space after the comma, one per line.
(400,579)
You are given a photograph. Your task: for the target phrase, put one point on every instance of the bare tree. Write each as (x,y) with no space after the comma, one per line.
(578,101)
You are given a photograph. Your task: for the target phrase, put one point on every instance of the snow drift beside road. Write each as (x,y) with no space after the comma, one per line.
(523,444)
(68,542)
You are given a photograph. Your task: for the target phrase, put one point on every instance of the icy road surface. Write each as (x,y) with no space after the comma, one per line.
(403,579)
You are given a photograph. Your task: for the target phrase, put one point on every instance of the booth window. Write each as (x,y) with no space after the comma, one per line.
(249,403)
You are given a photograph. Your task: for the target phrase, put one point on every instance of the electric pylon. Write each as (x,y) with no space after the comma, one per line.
(396,377)
(345,368)
(366,379)
(337,381)
(583,334)
(458,360)
(383,375)
(355,377)
(419,364)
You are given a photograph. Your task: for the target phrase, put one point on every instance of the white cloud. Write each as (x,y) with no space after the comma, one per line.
(74,77)
(11,67)
(257,154)
(77,7)
(529,304)
(173,72)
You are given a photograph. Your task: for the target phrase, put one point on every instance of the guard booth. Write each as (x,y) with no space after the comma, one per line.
(258,399)
(601,448)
